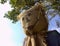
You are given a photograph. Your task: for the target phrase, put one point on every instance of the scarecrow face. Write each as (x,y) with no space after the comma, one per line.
(33,19)
(28,19)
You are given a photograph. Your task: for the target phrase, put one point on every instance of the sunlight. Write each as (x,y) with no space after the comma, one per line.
(5,29)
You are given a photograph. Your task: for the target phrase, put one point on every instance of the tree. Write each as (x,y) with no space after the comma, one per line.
(19,5)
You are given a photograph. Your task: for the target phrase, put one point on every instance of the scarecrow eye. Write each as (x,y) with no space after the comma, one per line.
(29,14)
(23,18)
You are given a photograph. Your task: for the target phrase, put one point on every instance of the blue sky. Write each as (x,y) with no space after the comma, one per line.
(10,34)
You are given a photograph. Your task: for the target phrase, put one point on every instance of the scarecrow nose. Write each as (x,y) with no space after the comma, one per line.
(27,19)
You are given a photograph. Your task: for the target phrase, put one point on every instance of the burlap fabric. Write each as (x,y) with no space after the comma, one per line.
(35,25)
(34,40)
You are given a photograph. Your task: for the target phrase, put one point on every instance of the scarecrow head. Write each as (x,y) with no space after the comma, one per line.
(33,20)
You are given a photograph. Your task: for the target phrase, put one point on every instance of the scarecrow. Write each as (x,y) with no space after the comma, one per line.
(35,25)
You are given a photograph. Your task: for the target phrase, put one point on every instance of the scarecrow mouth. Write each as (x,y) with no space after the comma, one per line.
(30,27)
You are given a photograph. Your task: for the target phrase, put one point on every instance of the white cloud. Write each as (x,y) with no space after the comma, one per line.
(5,30)
(5,34)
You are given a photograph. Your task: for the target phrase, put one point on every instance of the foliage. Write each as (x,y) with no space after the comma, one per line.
(19,5)
(12,15)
